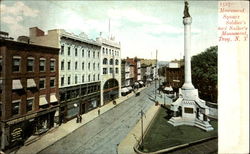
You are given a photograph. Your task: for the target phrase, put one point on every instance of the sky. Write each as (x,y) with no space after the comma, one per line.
(142,27)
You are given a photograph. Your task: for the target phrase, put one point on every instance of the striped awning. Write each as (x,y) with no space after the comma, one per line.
(16,84)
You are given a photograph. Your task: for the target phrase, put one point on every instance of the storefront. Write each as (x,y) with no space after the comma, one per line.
(16,131)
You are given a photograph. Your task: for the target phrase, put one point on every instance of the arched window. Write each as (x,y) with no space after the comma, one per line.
(111,62)
(105,61)
(117,62)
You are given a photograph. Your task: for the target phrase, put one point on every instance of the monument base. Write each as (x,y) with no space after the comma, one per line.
(190,110)
(178,121)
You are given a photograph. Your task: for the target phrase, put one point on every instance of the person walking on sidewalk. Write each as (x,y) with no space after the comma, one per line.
(80,118)
(99,111)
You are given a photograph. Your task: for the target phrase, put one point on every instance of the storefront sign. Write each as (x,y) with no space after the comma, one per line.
(21,119)
(16,134)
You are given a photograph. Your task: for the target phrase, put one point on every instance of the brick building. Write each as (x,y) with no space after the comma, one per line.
(28,90)
(175,74)
(79,70)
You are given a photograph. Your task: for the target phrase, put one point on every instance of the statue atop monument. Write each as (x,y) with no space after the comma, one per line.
(186,13)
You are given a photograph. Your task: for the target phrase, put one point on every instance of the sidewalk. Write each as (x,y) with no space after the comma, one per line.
(133,138)
(62,131)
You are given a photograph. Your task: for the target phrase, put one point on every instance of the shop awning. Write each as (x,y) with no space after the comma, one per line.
(42,100)
(141,82)
(16,84)
(129,88)
(149,79)
(168,88)
(31,83)
(124,90)
(56,113)
(53,98)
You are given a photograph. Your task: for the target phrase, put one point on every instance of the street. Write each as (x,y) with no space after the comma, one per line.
(103,134)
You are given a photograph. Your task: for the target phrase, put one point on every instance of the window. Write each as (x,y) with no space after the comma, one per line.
(82,52)
(89,78)
(93,66)
(52,82)
(111,70)
(62,49)
(68,80)
(116,70)
(105,61)
(98,54)
(76,52)
(62,65)
(15,107)
(30,64)
(93,54)
(106,51)
(29,105)
(113,52)
(98,77)
(76,65)
(75,79)
(104,70)
(42,83)
(117,53)
(82,78)
(62,81)
(68,51)
(82,65)
(111,62)
(94,77)
(89,53)
(52,65)
(109,51)
(117,62)
(16,64)
(98,66)
(89,66)
(103,50)
(68,65)
(42,65)
(1,64)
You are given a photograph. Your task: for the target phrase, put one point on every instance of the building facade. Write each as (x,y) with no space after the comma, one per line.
(28,91)
(79,70)
(175,75)
(111,69)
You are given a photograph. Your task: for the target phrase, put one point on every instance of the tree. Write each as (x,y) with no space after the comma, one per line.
(204,73)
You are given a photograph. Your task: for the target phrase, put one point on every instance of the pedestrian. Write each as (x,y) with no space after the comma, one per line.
(80,118)
(99,111)
(77,119)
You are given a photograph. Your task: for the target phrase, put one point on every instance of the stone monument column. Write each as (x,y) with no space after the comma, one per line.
(187,20)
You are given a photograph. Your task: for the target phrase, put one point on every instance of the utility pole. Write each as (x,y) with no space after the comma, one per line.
(155,74)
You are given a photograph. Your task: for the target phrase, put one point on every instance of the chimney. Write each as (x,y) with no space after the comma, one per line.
(35,31)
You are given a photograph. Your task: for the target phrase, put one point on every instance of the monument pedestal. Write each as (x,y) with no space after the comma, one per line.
(190,110)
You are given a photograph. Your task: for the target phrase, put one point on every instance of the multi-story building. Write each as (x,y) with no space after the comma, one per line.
(145,72)
(79,70)
(28,90)
(175,75)
(111,69)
